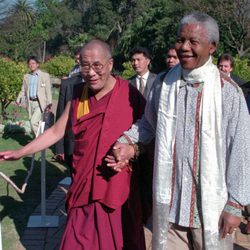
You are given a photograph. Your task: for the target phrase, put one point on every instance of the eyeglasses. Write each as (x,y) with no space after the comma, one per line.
(96,66)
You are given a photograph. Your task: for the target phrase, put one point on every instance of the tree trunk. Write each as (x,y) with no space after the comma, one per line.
(2,113)
(44,50)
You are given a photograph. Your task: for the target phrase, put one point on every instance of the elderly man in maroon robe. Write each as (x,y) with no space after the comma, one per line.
(103,210)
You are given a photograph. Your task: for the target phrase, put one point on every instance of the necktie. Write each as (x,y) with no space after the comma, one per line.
(141,85)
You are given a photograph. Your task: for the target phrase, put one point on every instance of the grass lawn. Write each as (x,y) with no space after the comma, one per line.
(16,208)
(55,93)
(15,113)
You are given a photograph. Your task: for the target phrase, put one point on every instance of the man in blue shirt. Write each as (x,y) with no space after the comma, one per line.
(36,91)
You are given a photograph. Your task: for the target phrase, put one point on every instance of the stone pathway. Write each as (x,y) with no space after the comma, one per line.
(49,238)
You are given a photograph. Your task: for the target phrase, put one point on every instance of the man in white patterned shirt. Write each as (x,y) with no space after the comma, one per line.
(201,126)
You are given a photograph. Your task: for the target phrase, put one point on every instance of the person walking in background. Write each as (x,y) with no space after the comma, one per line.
(76,70)
(102,205)
(143,80)
(201,126)
(36,93)
(64,147)
(171,58)
(226,64)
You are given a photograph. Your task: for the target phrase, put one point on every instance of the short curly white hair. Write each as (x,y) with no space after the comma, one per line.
(205,21)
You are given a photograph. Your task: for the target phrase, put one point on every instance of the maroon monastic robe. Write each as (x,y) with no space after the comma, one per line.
(98,191)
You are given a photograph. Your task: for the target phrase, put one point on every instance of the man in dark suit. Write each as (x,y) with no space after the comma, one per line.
(226,65)
(77,68)
(64,147)
(143,80)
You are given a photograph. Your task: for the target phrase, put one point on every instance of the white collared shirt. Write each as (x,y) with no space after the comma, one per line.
(144,78)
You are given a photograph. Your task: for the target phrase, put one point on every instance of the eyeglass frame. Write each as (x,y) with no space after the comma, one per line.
(91,66)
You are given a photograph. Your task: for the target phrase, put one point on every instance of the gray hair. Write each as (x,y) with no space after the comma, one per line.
(206,22)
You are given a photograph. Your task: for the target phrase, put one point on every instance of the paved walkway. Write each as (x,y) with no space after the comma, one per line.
(49,238)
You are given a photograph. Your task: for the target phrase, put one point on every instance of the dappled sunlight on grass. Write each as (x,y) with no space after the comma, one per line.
(16,208)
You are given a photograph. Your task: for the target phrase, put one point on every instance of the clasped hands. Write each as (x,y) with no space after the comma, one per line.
(121,154)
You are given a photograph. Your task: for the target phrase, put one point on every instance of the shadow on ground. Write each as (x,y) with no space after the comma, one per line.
(21,138)
(20,210)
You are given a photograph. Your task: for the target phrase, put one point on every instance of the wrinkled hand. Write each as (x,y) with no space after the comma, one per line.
(114,164)
(11,155)
(123,151)
(121,154)
(228,224)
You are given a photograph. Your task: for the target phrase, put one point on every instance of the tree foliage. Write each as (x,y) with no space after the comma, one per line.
(234,21)
(56,27)
(3,8)
(241,68)
(23,10)
(10,82)
(128,70)
(15,36)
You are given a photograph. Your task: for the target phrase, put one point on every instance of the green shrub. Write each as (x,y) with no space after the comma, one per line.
(59,66)
(11,75)
(128,70)
(241,68)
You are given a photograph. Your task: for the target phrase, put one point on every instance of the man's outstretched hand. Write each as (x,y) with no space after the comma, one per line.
(11,155)
(121,154)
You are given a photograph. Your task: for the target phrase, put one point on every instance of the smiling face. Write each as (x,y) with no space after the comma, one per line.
(96,68)
(193,47)
(225,66)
